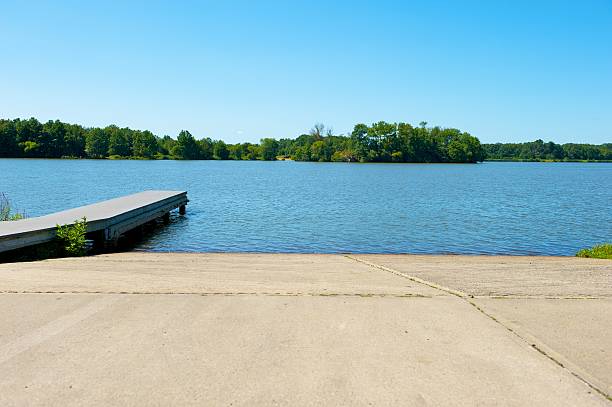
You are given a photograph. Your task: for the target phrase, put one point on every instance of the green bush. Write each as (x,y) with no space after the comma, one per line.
(601,251)
(72,238)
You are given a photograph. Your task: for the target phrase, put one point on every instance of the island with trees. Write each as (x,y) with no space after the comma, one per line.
(379,142)
(540,151)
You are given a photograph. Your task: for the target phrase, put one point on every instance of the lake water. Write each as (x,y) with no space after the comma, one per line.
(489,208)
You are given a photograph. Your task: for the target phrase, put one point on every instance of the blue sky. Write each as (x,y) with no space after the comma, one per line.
(501,70)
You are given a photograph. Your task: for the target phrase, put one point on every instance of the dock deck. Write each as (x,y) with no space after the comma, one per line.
(109,219)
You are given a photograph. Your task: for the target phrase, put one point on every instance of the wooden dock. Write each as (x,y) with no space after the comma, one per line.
(106,220)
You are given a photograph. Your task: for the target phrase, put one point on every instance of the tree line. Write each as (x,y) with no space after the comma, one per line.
(379,142)
(540,151)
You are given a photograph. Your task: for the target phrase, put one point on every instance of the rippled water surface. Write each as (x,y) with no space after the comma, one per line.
(514,208)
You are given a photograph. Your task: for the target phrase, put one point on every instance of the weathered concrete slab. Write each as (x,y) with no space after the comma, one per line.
(109,349)
(562,305)
(207,274)
(574,332)
(507,275)
(302,330)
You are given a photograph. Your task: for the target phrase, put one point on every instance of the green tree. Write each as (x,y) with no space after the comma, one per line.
(320,151)
(269,149)
(28,134)
(96,143)
(206,148)
(51,139)
(236,151)
(465,148)
(253,151)
(144,144)
(166,144)
(186,147)
(8,139)
(118,141)
(74,141)
(220,150)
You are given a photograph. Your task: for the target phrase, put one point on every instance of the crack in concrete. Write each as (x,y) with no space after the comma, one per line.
(538,297)
(468,298)
(229,293)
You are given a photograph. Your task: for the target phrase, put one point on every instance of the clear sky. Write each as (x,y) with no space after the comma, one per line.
(501,70)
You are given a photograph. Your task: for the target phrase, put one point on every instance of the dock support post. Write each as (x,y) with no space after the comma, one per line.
(111,245)
(182,210)
(166,217)
(111,239)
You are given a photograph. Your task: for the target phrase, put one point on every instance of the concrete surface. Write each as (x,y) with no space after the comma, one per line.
(226,329)
(283,274)
(563,305)
(516,276)
(577,333)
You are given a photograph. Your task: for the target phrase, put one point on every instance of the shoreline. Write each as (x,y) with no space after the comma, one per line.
(490,160)
(350,253)
(11,258)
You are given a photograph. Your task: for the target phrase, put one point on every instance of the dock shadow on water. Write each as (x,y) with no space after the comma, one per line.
(144,235)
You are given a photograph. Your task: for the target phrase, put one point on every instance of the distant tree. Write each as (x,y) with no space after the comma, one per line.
(28,136)
(317,131)
(8,139)
(186,147)
(28,130)
(206,148)
(405,133)
(383,140)
(144,144)
(321,150)
(236,151)
(465,148)
(74,141)
(166,144)
(343,156)
(269,149)
(118,141)
(253,151)
(360,142)
(51,139)
(96,143)
(244,151)
(220,150)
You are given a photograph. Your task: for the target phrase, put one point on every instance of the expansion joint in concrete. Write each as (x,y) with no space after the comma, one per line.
(448,290)
(470,300)
(227,293)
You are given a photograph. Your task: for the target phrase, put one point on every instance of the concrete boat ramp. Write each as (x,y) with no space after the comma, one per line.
(295,330)
(106,221)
